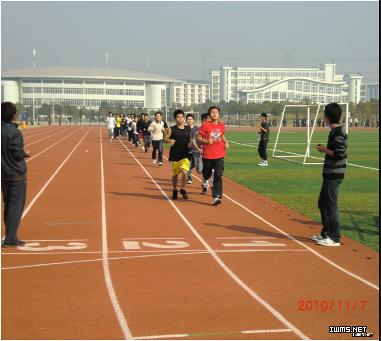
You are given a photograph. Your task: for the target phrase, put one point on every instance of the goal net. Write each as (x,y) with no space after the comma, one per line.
(301,131)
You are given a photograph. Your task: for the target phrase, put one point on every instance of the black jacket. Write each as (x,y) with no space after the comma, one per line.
(13,166)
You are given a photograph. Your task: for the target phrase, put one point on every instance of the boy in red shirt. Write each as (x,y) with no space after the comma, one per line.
(211,136)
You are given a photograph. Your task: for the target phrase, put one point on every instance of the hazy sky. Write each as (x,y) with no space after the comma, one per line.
(247,33)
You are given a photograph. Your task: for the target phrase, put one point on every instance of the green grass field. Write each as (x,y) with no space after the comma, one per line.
(298,186)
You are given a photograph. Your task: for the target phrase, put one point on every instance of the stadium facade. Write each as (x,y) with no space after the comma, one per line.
(83,86)
(256,85)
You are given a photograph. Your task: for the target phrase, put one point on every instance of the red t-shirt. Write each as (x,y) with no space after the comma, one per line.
(216,150)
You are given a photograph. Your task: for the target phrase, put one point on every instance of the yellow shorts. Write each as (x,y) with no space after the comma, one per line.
(179,165)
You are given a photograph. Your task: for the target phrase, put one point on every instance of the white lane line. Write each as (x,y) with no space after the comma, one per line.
(149,252)
(31,158)
(45,138)
(212,334)
(220,262)
(51,178)
(121,319)
(302,156)
(190,252)
(43,132)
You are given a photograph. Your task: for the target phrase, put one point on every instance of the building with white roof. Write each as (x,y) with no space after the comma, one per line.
(85,86)
(256,85)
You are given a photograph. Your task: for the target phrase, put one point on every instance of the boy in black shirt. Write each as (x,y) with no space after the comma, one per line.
(333,174)
(180,138)
(13,174)
(265,133)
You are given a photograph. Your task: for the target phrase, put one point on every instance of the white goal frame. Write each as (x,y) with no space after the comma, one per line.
(290,155)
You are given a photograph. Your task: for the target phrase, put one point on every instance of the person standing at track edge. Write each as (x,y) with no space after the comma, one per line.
(156,129)
(333,174)
(179,136)
(265,134)
(13,174)
(211,136)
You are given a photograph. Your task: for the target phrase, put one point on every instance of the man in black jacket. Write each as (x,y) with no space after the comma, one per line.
(13,174)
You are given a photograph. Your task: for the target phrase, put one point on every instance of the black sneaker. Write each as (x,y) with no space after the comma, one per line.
(174,195)
(204,190)
(19,243)
(184,193)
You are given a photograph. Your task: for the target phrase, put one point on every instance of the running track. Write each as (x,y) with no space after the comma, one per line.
(110,256)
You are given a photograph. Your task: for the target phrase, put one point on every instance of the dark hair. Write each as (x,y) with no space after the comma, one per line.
(8,110)
(158,112)
(333,112)
(110,113)
(204,116)
(264,114)
(190,115)
(142,114)
(178,111)
(213,107)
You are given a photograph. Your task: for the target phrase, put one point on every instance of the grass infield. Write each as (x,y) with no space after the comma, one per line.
(298,186)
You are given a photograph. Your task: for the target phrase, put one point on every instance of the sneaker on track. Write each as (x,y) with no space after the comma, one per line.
(183,192)
(327,242)
(216,201)
(189,181)
(154,161)
(160,163)
(174,194)
(318,237)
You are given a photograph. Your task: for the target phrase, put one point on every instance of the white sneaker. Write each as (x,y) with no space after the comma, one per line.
(160,163)
(319,237)
(264,163)
(328,242)
(261,163)
(143,148)
(189,181)
(154,161)
(216,201)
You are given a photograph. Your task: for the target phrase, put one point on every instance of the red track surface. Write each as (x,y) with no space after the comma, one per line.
(116,258)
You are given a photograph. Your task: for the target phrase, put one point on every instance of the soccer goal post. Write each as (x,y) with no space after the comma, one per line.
(304,119)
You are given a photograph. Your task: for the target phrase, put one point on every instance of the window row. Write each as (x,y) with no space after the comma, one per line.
(83,91)
(78,81)
(80,102)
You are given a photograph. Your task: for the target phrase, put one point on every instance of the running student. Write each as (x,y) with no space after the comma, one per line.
(179,136)
(265,133)
(156,129)
(146,134)
(205,183)
(196,150)
(333,174)
(110,125)
(13,174)
(211,136)
(135,133)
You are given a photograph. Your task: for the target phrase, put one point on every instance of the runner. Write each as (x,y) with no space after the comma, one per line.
(156,129)
(179,136)
(196,150)
(110,125)
(146,134)
(211,136)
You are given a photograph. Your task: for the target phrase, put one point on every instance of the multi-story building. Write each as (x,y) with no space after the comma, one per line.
(255,85)
(85,86)
(369,91)
(189,92)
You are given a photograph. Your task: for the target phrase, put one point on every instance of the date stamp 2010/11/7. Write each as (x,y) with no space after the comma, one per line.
(325,305)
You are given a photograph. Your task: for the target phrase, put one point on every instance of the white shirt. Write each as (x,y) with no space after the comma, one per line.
(129,120)
(110,122)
